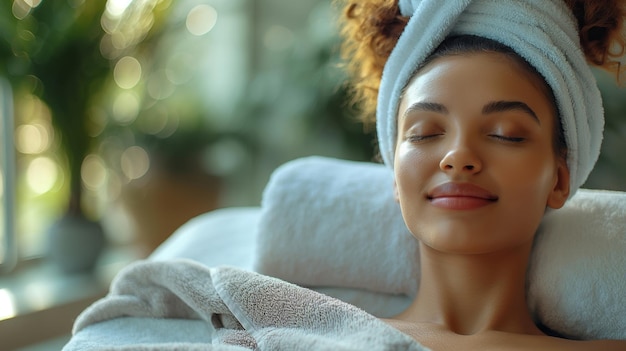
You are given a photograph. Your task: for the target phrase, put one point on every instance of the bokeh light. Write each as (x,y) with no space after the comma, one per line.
(93,172)
(32,3)
(135,162)
(126,22)
(107,49)
(7,304)
(116,8)
(22,8)
(126,107)
(41,175)
(201,19)
(32,109)
(127,72)
(32,138)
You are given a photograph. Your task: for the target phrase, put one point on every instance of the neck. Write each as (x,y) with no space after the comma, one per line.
(469,294)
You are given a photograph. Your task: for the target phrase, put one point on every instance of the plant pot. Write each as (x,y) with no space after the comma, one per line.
(159,204)
(75,244)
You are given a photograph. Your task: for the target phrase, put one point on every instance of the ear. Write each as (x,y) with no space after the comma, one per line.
(561,189)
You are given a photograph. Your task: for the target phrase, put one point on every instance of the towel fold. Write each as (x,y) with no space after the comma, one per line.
(328,222)
(241,310)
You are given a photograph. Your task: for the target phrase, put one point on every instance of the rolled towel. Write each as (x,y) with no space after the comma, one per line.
(327,222)
(543,32)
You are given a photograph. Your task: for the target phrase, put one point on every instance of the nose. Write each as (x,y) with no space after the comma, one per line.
(460,159)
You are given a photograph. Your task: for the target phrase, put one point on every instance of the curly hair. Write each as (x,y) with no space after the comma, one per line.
(371,28)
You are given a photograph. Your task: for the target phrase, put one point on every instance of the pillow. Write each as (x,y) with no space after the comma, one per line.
(334,223)
(329,222)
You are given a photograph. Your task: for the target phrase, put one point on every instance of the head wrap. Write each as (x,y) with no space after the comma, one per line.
(543,32)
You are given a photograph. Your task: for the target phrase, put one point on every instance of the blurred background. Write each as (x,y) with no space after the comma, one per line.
(123,119)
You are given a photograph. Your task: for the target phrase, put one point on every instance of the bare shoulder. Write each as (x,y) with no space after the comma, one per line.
(609,345)
(438,338)
(530,342)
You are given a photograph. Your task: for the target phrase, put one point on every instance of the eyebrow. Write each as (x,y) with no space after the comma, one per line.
(492,107)
(503,106)
(425,106)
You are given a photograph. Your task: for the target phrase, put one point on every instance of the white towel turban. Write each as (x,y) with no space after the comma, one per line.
(543,32)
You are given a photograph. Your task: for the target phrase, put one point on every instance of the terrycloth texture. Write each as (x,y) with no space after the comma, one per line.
(543,32)
(242,310)
(341,228)
(578,269)
(228,237)
(328,222)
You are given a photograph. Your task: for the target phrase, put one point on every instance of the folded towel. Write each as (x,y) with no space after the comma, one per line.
(242,310)
(328,222)
(577,274)
(228,237)
(341,228)
(544,32)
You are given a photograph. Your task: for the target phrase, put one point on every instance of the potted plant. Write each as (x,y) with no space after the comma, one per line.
(51,49)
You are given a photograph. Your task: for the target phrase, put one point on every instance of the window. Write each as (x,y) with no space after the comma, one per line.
(33,172)
(7,178)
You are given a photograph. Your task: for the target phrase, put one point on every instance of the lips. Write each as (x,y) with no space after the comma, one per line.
(460,196)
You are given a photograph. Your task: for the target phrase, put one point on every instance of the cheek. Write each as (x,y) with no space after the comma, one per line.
(531,183)
(413,169)
(535,172)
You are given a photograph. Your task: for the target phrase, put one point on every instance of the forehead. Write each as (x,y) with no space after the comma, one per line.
(476,77)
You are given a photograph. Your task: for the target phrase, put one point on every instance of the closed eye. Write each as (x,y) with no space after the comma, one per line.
(418,138)
(507,138)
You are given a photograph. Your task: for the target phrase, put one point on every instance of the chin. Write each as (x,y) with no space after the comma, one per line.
(468,241)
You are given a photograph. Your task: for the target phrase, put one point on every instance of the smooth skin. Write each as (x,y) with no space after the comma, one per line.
(475,171)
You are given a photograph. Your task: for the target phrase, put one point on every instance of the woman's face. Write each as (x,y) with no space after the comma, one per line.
(475,166)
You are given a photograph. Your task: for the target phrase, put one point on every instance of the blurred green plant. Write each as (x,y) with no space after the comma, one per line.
(610,171)
(51,49)
(65,53)
(301,98)
(171,121)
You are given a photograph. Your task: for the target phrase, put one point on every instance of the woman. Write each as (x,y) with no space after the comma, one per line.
(486,113)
